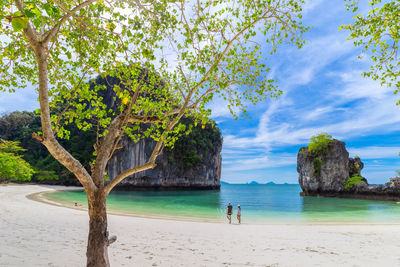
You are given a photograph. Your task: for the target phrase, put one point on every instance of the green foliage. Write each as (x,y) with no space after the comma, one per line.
(319,144)
(317,165)
(353,180)
(398,172)
(47,176)
(12,166)
(12,147)
(378,33)
(194,148)
(19,126)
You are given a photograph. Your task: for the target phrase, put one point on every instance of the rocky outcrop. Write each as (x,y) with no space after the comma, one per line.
(190,165)
(326,174)
(388,191)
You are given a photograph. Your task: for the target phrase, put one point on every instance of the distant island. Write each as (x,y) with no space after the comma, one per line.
(254,183)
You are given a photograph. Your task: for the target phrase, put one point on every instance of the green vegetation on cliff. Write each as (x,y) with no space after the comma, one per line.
(353,180)
(319,143)
(317,165)
(318,146)
(202,141)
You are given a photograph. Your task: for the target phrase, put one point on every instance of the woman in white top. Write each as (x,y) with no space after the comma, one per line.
(239,213)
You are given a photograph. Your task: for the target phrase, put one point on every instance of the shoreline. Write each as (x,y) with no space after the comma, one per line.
(39,234)
(40,197)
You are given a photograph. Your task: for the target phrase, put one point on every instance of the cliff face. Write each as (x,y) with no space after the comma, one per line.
(193,163)
(327,174)
(169,172)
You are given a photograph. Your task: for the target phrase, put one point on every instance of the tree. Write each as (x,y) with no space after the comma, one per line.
(378,33)
(12,166)
(170,58)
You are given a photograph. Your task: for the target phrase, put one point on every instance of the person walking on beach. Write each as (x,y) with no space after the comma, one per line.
(239,214)
(229,210)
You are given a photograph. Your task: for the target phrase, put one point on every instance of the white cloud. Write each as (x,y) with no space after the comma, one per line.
(260,162)
(374,152)
(311,5)
(317,113)
(357,87)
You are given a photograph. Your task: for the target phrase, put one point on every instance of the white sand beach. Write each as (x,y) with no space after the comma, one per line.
(38,234)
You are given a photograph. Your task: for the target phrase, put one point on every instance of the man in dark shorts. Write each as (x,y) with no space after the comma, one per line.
(229,211)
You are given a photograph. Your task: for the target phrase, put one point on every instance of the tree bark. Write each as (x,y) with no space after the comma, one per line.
(97,252)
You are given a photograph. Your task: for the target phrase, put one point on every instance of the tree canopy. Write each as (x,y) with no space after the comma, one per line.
(12,166)
(377,31)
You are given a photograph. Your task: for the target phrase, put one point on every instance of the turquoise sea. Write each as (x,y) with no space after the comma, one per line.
(260,204)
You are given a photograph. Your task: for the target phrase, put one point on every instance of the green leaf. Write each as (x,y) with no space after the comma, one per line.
(29,13)
(49,10)
(19,23)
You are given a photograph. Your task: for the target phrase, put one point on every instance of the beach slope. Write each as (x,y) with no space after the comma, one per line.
(39,234)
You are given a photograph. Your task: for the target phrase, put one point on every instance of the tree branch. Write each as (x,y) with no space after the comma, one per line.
(123,175)
(125,120)
(48,139)
(104,148)
(30,32)
(53,31)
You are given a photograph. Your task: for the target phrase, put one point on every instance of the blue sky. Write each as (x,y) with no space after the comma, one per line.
(323,92)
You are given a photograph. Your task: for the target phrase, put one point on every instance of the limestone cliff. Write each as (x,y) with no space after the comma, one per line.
(328,173)
(194,163)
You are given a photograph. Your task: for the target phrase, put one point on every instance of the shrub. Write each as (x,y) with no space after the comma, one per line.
(12,166)
(319,143)
(353,180)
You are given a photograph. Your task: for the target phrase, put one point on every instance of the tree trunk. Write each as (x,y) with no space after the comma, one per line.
(97,254)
